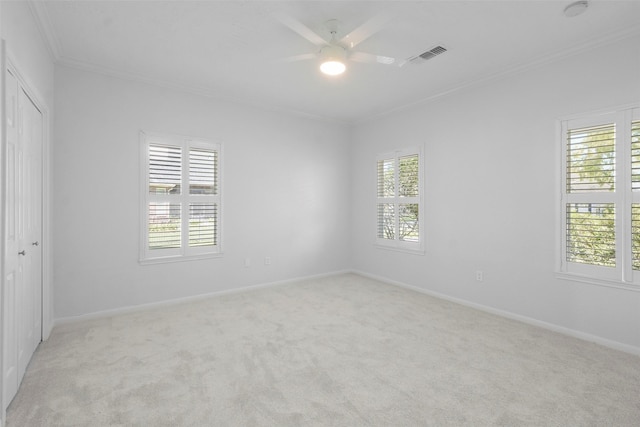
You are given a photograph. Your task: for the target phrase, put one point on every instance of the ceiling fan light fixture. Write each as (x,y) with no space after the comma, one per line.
(333,68)
(333,60)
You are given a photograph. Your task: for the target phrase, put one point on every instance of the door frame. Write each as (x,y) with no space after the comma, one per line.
(8,62)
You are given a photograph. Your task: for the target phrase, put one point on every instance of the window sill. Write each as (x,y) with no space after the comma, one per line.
(179,258)
(397,249)
(618,284)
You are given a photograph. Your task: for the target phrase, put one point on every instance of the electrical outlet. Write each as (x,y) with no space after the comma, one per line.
(479,276)
(247,262)
(267,260)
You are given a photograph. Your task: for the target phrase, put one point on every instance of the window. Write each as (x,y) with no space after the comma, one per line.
(180,198)
(399,200)
(600,219)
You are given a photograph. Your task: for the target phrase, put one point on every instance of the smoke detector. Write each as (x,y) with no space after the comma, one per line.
(576,8)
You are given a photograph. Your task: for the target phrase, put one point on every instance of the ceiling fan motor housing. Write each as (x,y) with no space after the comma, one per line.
(333,52)
(332,59)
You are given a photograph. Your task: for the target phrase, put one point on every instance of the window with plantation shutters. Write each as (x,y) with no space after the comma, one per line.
(181,203)
(399,200)
(591,159)
(600,198)
(635,186)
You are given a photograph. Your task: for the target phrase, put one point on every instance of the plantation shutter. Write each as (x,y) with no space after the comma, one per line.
(386,197)
(635,155)
(165,212)
(600,198)
(590,168)
(635,186)
(409,191)
(203,184)
(591,159)
(591,233)
(203,171)
(182,197)
(398,199)
(165,169)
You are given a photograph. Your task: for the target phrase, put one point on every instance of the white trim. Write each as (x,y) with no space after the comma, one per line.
(179,258)
(419,252)
(43,22)
(576,277)
(396,244)
(47,174)
(560,260)
(624,191)
(622,275)
(199,297)
(184,198)
(616,345)
(211,93)
(8,62)
(517,69)
(3,205)
(599,112)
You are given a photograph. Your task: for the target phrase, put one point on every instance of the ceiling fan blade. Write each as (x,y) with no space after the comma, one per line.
(301,29)
(369,58)
(365,31)
(302,57)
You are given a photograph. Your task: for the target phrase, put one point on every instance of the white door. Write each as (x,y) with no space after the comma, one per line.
(12,269)
(30,320)
(23,264)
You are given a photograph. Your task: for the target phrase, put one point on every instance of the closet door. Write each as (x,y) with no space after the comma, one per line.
(30,218)
(12,265)
(22,291)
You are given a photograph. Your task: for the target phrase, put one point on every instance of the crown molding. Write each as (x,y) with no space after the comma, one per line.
(192,89)
(516,69)
(43,22)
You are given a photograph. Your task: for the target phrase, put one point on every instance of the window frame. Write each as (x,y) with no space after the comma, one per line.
(397,244)
(185,198)
(622,275)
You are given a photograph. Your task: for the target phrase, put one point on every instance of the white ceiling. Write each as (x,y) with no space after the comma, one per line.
(230,49)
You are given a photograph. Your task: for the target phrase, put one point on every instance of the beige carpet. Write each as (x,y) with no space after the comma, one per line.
(339,351)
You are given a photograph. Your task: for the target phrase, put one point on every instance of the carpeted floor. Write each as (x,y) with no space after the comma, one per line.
(338,351)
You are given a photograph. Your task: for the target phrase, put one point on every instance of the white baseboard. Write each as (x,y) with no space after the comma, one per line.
(166,303)
(509,315)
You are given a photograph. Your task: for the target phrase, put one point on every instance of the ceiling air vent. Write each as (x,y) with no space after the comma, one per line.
(427,55)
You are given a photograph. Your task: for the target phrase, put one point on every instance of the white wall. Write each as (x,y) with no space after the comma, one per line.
(26,47)
(29,55)
(284,194)
(491,192)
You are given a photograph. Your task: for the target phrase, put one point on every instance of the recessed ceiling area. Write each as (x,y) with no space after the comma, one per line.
(233,50)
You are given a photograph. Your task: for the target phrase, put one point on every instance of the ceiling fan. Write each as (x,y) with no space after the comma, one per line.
(334,53)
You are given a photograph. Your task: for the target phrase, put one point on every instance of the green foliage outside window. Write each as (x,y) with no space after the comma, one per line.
(408,186)
(591,235)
